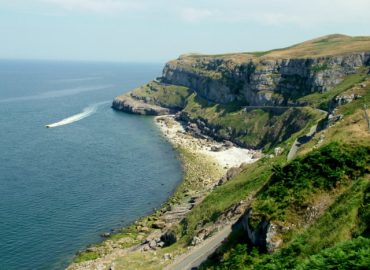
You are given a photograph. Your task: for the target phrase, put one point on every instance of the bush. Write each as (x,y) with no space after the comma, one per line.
(323,169)
(353,255)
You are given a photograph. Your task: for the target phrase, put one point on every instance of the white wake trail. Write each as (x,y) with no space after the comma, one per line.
(86,112)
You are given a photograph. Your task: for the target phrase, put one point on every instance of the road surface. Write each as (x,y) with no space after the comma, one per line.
(200,253)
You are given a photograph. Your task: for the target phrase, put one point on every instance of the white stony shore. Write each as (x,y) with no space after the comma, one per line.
(226,155)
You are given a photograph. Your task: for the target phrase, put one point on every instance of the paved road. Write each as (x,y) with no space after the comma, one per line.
(200,253)
(302,140)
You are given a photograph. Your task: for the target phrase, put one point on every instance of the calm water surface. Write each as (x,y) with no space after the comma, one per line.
(97,169)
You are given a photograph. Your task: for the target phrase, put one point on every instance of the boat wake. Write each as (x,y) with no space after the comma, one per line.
(86,112)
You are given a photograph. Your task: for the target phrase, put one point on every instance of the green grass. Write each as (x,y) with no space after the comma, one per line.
(354,254)
(337,225)
(291,186)
(323,46)
(319,67)
(253,128)
(86,256)
(246,183)
(347,218)
(165,95)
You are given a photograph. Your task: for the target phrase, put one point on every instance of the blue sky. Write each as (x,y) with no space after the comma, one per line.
(156,31)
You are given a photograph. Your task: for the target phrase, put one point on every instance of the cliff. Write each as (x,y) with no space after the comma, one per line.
(153,98)
(268,78)
(256,100)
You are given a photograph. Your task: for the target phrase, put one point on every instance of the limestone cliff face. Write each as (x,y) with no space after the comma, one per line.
(261,81)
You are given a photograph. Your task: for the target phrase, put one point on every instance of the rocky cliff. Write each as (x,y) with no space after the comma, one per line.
(261,81)
(247,98)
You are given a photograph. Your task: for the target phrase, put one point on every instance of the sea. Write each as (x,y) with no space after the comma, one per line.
(93,170)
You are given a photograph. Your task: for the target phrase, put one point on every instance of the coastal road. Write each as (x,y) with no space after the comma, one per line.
(302,140)
(200,253)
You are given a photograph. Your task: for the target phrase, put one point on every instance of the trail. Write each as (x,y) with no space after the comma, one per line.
(86,112)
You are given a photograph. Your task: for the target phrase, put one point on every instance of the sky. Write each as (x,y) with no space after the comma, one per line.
(160,30)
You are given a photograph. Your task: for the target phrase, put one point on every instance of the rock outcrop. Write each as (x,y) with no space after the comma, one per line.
(130,105)
(260,81)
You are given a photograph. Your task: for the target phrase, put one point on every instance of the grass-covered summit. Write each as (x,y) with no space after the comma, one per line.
(330,45)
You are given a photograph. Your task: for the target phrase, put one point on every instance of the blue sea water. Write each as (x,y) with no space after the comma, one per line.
(95,170)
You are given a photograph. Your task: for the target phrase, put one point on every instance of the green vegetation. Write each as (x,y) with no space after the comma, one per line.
(353,254)
(165,95)
(319,67)
(254,128)
(324,46)
(347,217)
(246,183)
(322,170)
(337,178)
(86,256)
(338,224)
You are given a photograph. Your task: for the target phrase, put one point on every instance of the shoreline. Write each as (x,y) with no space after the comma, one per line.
(226,154)
(205,164)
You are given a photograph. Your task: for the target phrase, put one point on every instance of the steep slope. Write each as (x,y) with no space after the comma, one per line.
(316,207)
(312,211)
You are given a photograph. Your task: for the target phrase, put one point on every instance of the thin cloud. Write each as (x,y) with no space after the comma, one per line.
(277,13)
(195,15)
(97,6)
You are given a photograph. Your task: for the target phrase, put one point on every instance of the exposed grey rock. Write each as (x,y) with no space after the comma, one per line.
(261,82)
(145,247)
(167,256)
(144,229)
(228,144)
(344,99)
(106,234)
(159,224)
(216,149)
(278,151)
(232,172)
(153,244)
(273,241)
(196,241)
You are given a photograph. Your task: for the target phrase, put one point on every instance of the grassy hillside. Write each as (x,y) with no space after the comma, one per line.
(264,127)
(342,228)
(329,45)
(168,96)
(334,180)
